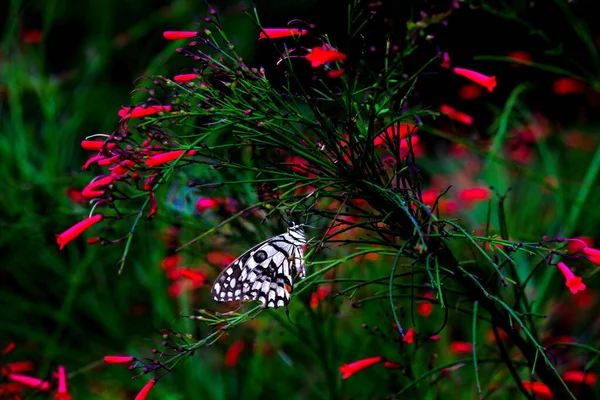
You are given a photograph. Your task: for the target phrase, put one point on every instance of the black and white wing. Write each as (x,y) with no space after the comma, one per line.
(265,272)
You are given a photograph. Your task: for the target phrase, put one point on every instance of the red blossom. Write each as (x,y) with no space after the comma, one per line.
(488,82)
(587,377)
(456,115)
(233,353)
(348,370)
(118,359)
(62,393)
(318,295)
(91,160)
(425,308)
(91,190)
(145,390)
(593,255)
(578,243)
(474,194)
(138,111)
(322,55)
(175,35)
(470,92)
(9,348)
(219,258)
(391,365)
(97,145)
(166,157)
(567,85)
(206,203)
(121,168)
(276,33)
(29,381)
(409,336)
(574,283)
(31,36)
(461,347)
(445,61)
(73,232)
(105,162)
(435,338)
(170,262)
(185,78)
(393,131)
(336,73)
(522,56)
(538,389)
(16,367)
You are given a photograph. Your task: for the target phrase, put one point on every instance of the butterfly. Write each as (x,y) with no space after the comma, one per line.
(265,272)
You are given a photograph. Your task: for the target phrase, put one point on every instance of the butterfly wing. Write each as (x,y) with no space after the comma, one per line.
(264,273)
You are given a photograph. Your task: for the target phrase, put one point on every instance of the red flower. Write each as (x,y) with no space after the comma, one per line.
(456,115)
(29,381)
(138,111)
(185,78)
(206,203)
(567,85)
(578,243)
(391,365)
(593,255)
(425,308)
(461,347)
(522,56)
(333,74)
(233,354)
(118,359)
(538,388)
(16,367)
(409,336)
(574,283)
(348,370)
(393,131)
(9,348)
(276,33)
(446,61)
(62,393)
(31,36)
(96,145)
(488,82)
(322,55)
(175,35)
(145,390)
(470,92)
(91,190)
(474,194)
(121,168)
(587,377)
(169,156)
(73,232)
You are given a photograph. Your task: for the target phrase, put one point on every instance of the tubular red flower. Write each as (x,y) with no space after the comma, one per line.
(474,194)
(587,377)
(456,115)
(578,243)
(348,370)
(567,85)
(335,73)
(164,158)
(393,131)
(118,359)
(145,390)
(470,92)
(9,348)
(522,56)
(593,254)
(391,365)
(96,145)
(574,283)
(176,35)
(91,190)
(445,61)
(538,388)
(73,232)
(121,168)
(409,336)
(16,367)
(206,203)
(185,78)
(105,162)
(62,393)
(276,33)
(319,56)
(92,160)
(488,82)
(138,111)
(29,381)
(461,347)
(233,354)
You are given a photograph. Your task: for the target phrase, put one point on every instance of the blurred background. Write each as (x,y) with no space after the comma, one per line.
(65,70)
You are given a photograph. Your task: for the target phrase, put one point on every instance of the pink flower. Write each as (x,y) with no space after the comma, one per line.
(276,33)
(166,157)
(348,370)
(62,393)
(574,283)
(461,347)
(91,190)
(96,145)
(175,35)
(73,232)
(488,82)
(474,194)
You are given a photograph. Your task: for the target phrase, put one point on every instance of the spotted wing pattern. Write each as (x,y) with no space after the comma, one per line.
(265,272)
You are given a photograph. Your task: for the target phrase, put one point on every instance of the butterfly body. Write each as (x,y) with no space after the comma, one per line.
(265,272)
